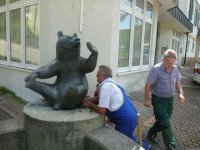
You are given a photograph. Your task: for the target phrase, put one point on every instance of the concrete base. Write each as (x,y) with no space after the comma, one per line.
(47,129)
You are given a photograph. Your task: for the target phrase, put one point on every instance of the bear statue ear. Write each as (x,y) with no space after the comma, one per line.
(59,34)
(74,35)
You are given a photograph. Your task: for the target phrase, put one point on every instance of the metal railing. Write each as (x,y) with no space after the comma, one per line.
(180,16)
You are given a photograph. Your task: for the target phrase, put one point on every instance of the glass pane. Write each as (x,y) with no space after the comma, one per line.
(3,36)
(178,47)
(172,43)
(140,6)
(175,46)
(149,10)
(12,1)
(174,32)
(146,43)
(32,34)
(127,2)
(15,35)
(2,2)
(124,39)
(137,42)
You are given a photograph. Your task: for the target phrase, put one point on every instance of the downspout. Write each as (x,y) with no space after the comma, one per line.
(81,16)
(186,48)
(157,46)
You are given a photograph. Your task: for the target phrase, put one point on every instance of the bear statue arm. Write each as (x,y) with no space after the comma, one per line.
(90,63)
(48,71)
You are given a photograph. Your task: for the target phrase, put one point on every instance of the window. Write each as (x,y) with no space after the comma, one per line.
(149,10)
(32,35)
(176,41)
(124,39)
(3,36)
(2,3)
(127,2)
(196,17)
(19,41)
(193,47)
(140,6)
(137,42)
(191,9)
(15,35)
(135,33)
(146,44)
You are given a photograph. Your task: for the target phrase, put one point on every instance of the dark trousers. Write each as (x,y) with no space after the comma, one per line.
(163,108)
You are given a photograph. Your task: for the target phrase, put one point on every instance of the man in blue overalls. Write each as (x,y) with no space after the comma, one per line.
(113,102)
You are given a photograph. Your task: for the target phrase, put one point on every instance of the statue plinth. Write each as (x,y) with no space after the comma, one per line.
(48,129)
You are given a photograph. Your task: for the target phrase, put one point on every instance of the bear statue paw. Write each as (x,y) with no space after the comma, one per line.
(58,107)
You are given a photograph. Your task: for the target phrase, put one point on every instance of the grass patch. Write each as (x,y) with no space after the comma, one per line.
(4,90)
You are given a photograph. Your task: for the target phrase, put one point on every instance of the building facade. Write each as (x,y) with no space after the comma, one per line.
(124,32)
(178,29)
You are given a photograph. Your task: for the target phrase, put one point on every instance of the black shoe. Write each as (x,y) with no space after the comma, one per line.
(152,140)
(151,147)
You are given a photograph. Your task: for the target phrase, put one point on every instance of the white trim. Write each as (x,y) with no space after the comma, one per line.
(22,4)
(132,72)
(30,69)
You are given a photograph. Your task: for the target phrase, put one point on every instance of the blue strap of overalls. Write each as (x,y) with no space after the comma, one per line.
(125,118)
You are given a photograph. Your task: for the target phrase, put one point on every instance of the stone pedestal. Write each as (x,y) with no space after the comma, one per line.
(47,129)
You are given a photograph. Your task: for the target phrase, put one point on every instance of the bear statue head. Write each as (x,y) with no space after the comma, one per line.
(67,47)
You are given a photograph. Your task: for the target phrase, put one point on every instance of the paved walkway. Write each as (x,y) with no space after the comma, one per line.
(185,119)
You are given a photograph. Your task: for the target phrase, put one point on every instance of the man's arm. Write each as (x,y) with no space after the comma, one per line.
(94,99)
(180,92)
(147,101)
(94,107)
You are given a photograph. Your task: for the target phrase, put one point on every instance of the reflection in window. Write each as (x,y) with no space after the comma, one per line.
(32,35)
(15,35)
(146,43)
(140,6)
(12,1)
(2,2)
(3,36)
(149,10)
(137,42)
(127,2)
(124,39)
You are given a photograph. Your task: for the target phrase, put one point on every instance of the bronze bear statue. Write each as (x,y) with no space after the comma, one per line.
(71,86)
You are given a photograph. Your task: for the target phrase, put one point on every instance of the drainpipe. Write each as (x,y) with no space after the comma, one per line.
(186,48)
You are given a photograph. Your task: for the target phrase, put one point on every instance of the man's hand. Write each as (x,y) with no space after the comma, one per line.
(181,98)
(87,103)
(147,103)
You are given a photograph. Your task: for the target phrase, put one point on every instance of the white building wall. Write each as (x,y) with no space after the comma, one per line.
(165,34)
(100,27)
(184,6)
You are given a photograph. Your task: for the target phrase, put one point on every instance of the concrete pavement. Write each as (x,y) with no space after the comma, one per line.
(185,119)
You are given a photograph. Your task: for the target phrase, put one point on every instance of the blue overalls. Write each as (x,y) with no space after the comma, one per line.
(125,118)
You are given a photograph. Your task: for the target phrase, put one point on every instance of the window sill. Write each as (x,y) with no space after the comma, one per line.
(132,71)
(24,69)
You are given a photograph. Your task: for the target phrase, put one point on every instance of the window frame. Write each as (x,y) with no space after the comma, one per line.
(22,4)
(134,13)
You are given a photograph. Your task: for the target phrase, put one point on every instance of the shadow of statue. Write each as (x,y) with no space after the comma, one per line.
(71,86)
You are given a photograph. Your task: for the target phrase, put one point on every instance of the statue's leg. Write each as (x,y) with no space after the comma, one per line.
(48,91)
(72,96)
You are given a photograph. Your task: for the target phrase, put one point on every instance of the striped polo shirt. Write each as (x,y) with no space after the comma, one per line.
(163,83)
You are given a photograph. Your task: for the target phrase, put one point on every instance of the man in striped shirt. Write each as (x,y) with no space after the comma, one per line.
(163,82)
